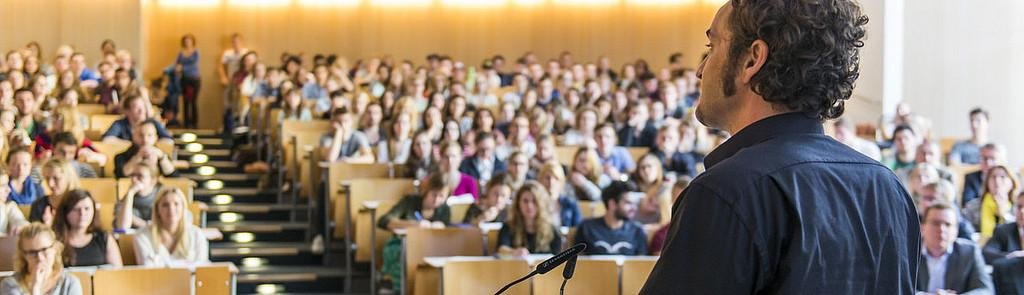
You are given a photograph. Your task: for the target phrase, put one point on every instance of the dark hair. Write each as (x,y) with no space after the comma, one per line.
(338,112)
(127,101)
(480,137)
(616,190)
(15,151)
(436,181)
(901,128)
(66,138)
(188,37)
(815,52)
(675,57)
(979,111)
(61,226)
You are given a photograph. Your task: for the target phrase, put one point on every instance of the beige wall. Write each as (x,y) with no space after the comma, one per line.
(82,24)
(962,54)
(620,31)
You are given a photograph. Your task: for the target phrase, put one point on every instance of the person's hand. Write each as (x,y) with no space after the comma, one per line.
(491,213)
(1016,254)
(48,214)
(135,188)
(41,273)
(437,224)
(520,252)
(425,224)
(945,292)
(577,178)
(612,172)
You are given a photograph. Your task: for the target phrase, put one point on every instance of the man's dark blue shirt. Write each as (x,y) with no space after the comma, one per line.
(785,209)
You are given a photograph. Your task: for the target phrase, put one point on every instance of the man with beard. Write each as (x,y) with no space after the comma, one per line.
(782,208)
(615,233)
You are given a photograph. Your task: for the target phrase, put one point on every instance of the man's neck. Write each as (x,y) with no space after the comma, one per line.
(979,138)
(612,222)
(752,112)
(936,252)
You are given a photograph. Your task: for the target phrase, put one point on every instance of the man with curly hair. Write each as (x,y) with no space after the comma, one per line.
(782,208)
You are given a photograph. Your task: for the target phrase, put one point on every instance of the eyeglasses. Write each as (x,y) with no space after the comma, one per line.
(35,253)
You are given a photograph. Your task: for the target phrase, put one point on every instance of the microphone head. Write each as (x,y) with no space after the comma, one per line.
(570,268)
(553,262)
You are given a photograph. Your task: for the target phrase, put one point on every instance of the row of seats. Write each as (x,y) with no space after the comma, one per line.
(213,279)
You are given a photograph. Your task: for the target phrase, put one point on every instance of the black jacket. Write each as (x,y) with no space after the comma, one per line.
(965,271)
(785,209)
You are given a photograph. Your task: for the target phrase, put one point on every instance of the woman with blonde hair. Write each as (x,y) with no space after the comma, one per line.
(563,203)
(995,206)
(170,238)
(60,177)
(37,265)
(587,176)
(530,228)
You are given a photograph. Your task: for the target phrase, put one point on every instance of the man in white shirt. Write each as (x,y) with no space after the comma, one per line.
(952,266)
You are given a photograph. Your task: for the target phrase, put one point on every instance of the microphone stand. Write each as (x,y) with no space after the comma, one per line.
(569,255)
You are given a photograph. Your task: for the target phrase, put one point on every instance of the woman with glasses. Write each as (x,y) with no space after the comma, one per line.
(37,265)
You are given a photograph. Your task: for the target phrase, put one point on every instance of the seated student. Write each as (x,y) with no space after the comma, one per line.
(11,218)
(60,178)
(484,163)
(344,143)
(658,240)
(144,150)
(586,176)
(942,191)
(615,233)
(615,160)
(65,146)
(991,155)
(518,166)
(24,190)
(136,110)
(952,266)
(461,183)
(396,147)
(492,206)
(648,177)
(140,197)
(563,204)
(78,228)
(995,206)
(1006,254)
(291,107)
(171,238)
(426,211)
(529,229)
(37,266)
(638,130)
(674,161)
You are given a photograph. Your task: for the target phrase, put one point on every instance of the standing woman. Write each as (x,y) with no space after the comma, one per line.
(170,238)
(37,266)
(78,228)
(187,63)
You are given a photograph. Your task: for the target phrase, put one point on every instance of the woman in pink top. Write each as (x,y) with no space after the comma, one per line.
(462,183)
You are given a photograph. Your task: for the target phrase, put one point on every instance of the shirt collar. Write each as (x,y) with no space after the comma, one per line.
(765,129)
(924,251)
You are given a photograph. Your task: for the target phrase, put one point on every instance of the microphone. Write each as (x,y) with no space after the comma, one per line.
(570,268)
(553,262)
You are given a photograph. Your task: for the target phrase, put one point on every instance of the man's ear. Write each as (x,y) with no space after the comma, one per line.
(757,55)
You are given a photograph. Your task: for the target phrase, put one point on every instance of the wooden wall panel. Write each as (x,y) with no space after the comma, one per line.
(82,24)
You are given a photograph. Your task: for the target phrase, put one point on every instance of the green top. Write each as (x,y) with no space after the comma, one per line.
(407,208)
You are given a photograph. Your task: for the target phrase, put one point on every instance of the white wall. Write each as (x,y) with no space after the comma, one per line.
(960,54)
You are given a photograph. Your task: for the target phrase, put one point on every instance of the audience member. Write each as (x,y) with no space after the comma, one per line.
(563,202)
(953,266)
(135,208)
(24,189)
(344,143)
(60,178)
(78,228)
(995,206)
(968,151)
(461,183)
(991,155)
(491,207)
(586,175)
(615,232)
(11,218)
(846,133)
(484,163)
(37,265)
(171,239)
(144,150)
(1003,251)
(529,229)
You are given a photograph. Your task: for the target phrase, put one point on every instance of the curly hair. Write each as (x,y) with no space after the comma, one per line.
(814,51)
